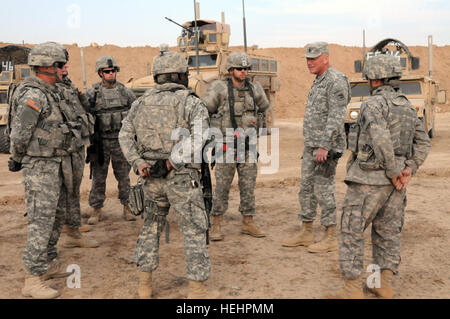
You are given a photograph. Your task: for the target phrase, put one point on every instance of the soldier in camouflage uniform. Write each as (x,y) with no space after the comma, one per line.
(43,139)
(235,104)
(76,106)
(167,181)
(325,141)
(388,145)
(109,101)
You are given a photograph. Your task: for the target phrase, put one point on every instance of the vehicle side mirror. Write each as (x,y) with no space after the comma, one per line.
(358,66)
(415,63)
(442,97)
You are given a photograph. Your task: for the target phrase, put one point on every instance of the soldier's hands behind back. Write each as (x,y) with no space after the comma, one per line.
(144,169)
(14,166)
(321,155)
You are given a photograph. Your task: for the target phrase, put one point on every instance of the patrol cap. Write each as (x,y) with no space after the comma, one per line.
(315,49)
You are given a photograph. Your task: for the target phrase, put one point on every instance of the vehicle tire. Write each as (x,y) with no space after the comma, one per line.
(4,141)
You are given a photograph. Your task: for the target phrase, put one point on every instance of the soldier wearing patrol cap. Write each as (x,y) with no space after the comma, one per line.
(43,140)
(109,101)
(324,142)
(388,144)
(166,179)
(234,104)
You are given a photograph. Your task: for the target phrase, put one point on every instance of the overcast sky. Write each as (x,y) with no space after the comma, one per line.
(270,23)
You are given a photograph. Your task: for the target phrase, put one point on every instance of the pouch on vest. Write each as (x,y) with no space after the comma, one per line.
(116,122)
(105,121)
(249,120)
(353,135)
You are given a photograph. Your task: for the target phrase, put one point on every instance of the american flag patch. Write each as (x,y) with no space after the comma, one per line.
(34,105)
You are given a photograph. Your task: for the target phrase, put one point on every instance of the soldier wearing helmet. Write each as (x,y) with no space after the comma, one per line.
(77,109)
(324,143)
(166,177)
(109,102)
(235,104)
(388,144)
(43,140)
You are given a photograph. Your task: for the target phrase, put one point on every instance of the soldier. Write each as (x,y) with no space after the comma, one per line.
(325,141)
(388,145)
(235,103)
(43,139)
(75,105)
(146,142)
(109,101)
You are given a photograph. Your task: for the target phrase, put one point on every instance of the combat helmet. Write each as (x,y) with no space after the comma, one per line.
(382,66)
(169,62)
(47,54)
(238,60)
(104,62)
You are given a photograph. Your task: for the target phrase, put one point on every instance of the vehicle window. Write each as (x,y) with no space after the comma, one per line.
(2,97)
(359,90)
(204,60)
(264,65)
(24,73)
(255,64)
(273,66)
(410,88)
(4,76)
(212,37)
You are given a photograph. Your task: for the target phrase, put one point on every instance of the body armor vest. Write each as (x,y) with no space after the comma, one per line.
(161,112)
(54,135)
(111,107)
(77,116)
(400,118)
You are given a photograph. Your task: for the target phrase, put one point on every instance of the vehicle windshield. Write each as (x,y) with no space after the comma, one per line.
(204,60)
(2,97)
(4,76)
(407,88)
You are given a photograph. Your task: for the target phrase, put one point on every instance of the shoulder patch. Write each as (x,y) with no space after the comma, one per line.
(34,105)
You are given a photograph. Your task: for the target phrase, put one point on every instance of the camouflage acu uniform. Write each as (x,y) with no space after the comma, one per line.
(323,127)
(388,136)
(146,137)
(43,139)
(76,105)
(111,107)
(246,111)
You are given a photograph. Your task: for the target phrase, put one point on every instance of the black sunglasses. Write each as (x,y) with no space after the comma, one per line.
(240,69)
(60,65)
(109,71)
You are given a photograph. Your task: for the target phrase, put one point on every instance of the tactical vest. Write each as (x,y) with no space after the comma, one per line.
(54,135)
(77,116)
(400,118)
(111,107)
(239,110)
(160,113)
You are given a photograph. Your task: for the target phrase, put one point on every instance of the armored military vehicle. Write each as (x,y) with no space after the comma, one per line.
(14,69)
(421,90)
(213,51)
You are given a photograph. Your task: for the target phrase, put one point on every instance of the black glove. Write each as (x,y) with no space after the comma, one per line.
(327,168)
(14,166)
(159,169)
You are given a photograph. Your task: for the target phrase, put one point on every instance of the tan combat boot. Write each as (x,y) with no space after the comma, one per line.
(215,233)
(197,290)
(95,216)
(385,291)
(304,238)
(145,285)
(351,290)
(82,229)
(249,227)
(36,288)
(328,243)
(127,215)
(75,239)
(55,271)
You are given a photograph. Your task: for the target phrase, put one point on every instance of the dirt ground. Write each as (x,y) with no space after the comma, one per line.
(242,266)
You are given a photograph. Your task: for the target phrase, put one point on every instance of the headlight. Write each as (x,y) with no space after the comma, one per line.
(353,115)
